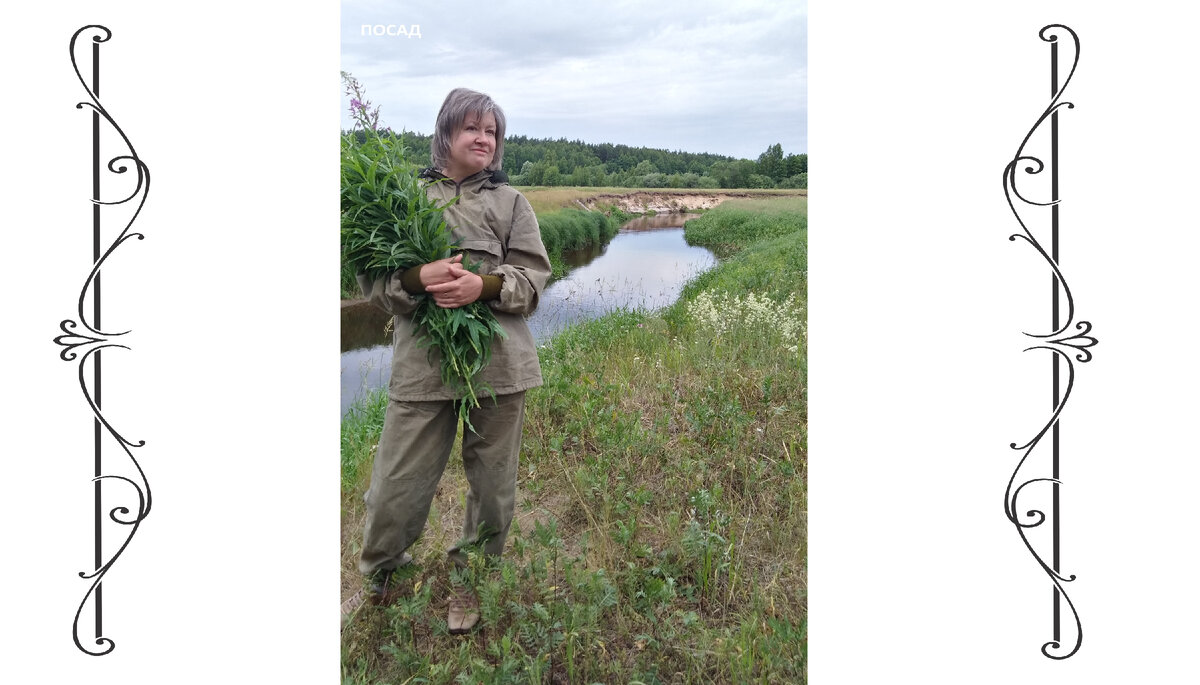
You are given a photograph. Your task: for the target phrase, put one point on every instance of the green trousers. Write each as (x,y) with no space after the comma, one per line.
(413,451)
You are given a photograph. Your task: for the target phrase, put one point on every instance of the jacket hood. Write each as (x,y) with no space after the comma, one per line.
(488,178)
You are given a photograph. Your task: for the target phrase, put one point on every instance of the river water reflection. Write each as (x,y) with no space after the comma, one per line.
(643,267)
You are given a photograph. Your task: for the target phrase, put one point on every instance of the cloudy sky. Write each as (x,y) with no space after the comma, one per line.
(697,76)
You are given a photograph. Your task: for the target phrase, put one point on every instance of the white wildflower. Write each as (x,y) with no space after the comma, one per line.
(721,312)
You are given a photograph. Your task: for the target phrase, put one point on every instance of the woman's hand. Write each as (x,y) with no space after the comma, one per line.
(441,271)
(463,288)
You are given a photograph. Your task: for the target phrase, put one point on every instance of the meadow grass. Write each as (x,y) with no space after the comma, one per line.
(550,198)
(743,221)
(660,533)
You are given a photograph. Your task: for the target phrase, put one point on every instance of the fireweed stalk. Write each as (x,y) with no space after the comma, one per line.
(388,223)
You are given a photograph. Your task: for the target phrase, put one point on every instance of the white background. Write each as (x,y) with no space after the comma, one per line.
(917,298)
(232,375)
(918,383)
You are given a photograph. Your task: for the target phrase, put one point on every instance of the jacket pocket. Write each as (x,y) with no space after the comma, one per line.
(490,252)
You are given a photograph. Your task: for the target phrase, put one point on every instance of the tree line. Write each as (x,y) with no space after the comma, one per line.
(546,162)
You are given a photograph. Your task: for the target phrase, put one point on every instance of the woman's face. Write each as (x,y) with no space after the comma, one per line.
(473,146)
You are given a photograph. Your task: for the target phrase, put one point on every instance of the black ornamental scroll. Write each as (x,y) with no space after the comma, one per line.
(121,493)
(1067,342)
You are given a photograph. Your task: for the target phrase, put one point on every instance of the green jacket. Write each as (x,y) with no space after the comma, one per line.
(494,224)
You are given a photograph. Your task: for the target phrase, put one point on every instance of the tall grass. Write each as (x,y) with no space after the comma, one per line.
(741,222)
(348,283)
(575,229)
(662,501)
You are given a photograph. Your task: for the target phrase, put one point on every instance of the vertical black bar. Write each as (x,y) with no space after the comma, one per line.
(96,318)
(1054,314)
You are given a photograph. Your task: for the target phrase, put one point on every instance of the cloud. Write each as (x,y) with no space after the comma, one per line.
(699,76)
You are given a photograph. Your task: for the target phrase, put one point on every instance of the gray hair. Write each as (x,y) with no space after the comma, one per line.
(459,103)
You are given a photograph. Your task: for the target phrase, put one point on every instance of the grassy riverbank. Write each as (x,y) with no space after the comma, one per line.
(575,229)
(660,531)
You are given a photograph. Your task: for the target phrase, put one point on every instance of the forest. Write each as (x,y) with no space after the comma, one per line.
(546,162)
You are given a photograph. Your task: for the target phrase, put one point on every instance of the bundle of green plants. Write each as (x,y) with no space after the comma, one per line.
(388,223)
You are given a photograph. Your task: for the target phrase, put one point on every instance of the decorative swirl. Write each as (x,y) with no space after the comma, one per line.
(116,514)
(95,103)
(1041,518)
(1045,35)
(1011,188)
(1012,495)
(87,394)
(1070,300)
(142,187)
(1058,407)
(143,509)
(70,340)
(82,339)
(1069,341)
(95,39)
(95,272)
(1078,341)
(98,575)
(1057,578)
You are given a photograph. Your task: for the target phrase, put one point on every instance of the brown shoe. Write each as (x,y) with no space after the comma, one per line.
(379,589)
(464,611)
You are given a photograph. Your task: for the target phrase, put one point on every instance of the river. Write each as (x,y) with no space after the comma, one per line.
(643,267)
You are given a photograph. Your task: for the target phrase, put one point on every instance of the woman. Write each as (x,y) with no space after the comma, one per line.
(495,228)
